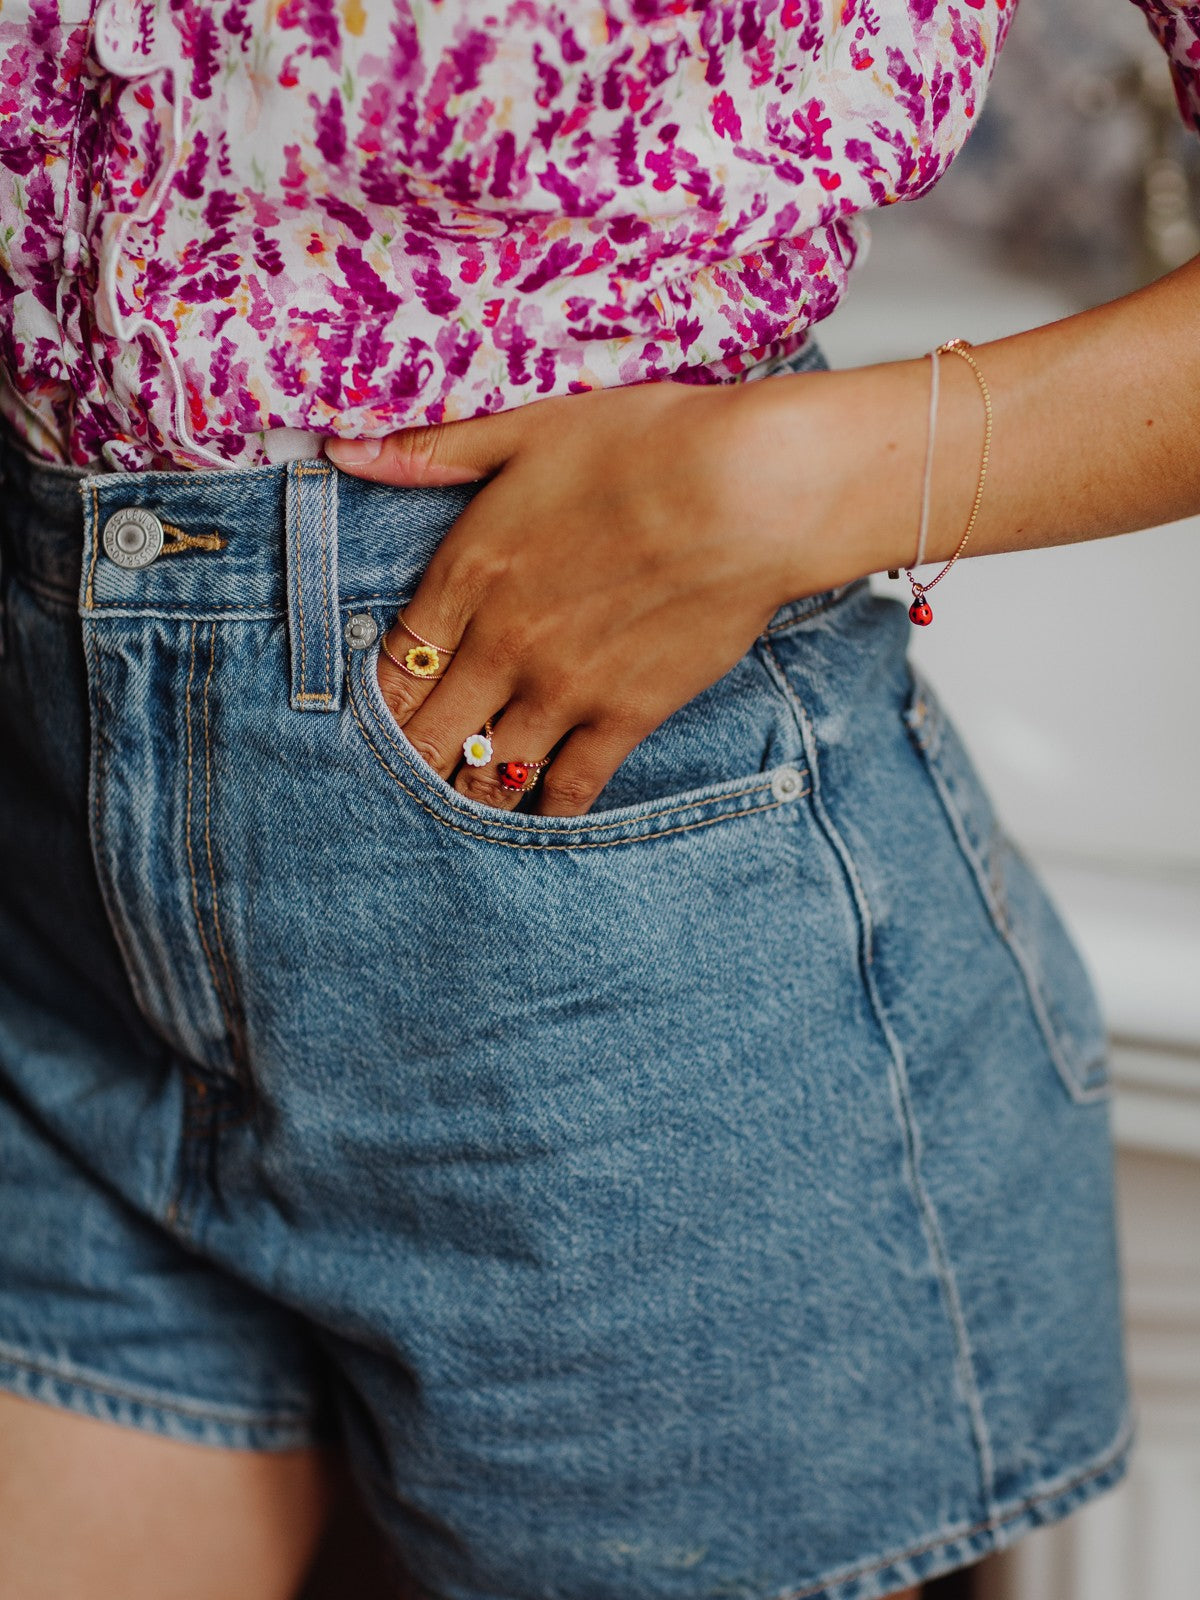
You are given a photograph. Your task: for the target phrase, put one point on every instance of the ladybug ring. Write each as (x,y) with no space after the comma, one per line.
(520,776)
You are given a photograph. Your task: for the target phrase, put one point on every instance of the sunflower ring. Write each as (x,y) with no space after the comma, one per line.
(422,661)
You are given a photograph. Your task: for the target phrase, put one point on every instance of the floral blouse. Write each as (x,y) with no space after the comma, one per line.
(224,218)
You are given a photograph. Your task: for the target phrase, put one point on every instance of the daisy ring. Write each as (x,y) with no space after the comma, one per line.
(477,750)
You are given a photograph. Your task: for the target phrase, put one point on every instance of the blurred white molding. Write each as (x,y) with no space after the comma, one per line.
(1141,1542)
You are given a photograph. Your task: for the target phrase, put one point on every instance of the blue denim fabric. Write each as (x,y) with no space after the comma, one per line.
(707,1197)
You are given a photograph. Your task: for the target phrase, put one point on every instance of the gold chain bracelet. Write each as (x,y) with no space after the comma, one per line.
(921,612)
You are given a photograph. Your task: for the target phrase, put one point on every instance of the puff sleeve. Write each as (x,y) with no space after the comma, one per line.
(1177,28)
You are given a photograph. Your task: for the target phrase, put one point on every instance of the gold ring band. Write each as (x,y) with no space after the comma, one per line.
(442,649)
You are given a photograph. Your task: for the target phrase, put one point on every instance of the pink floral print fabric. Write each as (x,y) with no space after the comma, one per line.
(219,218)
(1176,25)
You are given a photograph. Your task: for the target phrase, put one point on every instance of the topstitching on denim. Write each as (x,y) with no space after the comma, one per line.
(1008,1517)
(553,829)
(222,982)
(100,851)
(312,569)
(905,1110)
(47,595)
(85,1378)
(804,609)
(981,839)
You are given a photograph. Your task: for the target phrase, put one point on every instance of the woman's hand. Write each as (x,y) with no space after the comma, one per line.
(633,542)
(630,546)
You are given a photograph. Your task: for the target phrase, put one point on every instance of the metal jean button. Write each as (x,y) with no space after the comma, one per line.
(787,784)
(361,630)
(133,537)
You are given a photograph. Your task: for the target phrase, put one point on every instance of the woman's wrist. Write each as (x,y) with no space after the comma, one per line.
(853,447)
(841,455)
(1095,419)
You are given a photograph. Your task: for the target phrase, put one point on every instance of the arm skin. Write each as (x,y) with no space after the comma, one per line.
(1096,432)
(632,543)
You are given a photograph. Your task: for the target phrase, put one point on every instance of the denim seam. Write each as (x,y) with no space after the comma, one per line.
(199,613)
(926,731)
(63,600)
(173,475)
(910,1131)
(82,1378)
(94,535)
(992,1524)
(534,844)
(104,873)
(187,831)
(649,816)
(397,598)
(832,600)
(693,805)
(235,1008)
(945,1538)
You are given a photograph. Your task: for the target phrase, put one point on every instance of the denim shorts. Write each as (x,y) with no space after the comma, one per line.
(706,1198)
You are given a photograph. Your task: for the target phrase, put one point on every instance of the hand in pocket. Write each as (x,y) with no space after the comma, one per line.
(625,553)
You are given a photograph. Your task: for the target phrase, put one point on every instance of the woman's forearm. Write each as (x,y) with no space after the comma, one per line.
(1096,432)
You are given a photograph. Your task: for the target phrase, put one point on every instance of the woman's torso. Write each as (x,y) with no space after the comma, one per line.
(224,219)
(220,220)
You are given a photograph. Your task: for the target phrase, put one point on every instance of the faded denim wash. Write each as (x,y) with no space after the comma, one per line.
(709,1198)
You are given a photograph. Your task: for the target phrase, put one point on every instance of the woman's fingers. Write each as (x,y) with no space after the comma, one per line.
(579,771)
(576,763)
(425,646)
(410,666)
(458,709)
(521,740)
(448,452)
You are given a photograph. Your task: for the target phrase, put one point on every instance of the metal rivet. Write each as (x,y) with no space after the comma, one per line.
(361,630)
(133,537)
(787,784)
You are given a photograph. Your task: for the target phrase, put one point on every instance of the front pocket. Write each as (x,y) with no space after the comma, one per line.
(671,783)
(1060,992)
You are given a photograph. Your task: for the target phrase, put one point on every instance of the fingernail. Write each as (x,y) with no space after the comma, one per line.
(352,452)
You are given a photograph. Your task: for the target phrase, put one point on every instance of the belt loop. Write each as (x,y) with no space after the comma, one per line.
(312,586)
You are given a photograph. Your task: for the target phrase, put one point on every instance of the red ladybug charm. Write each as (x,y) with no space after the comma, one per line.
(920,612)
(513,774)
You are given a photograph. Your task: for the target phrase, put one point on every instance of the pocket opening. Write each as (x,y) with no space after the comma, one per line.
(768,788)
